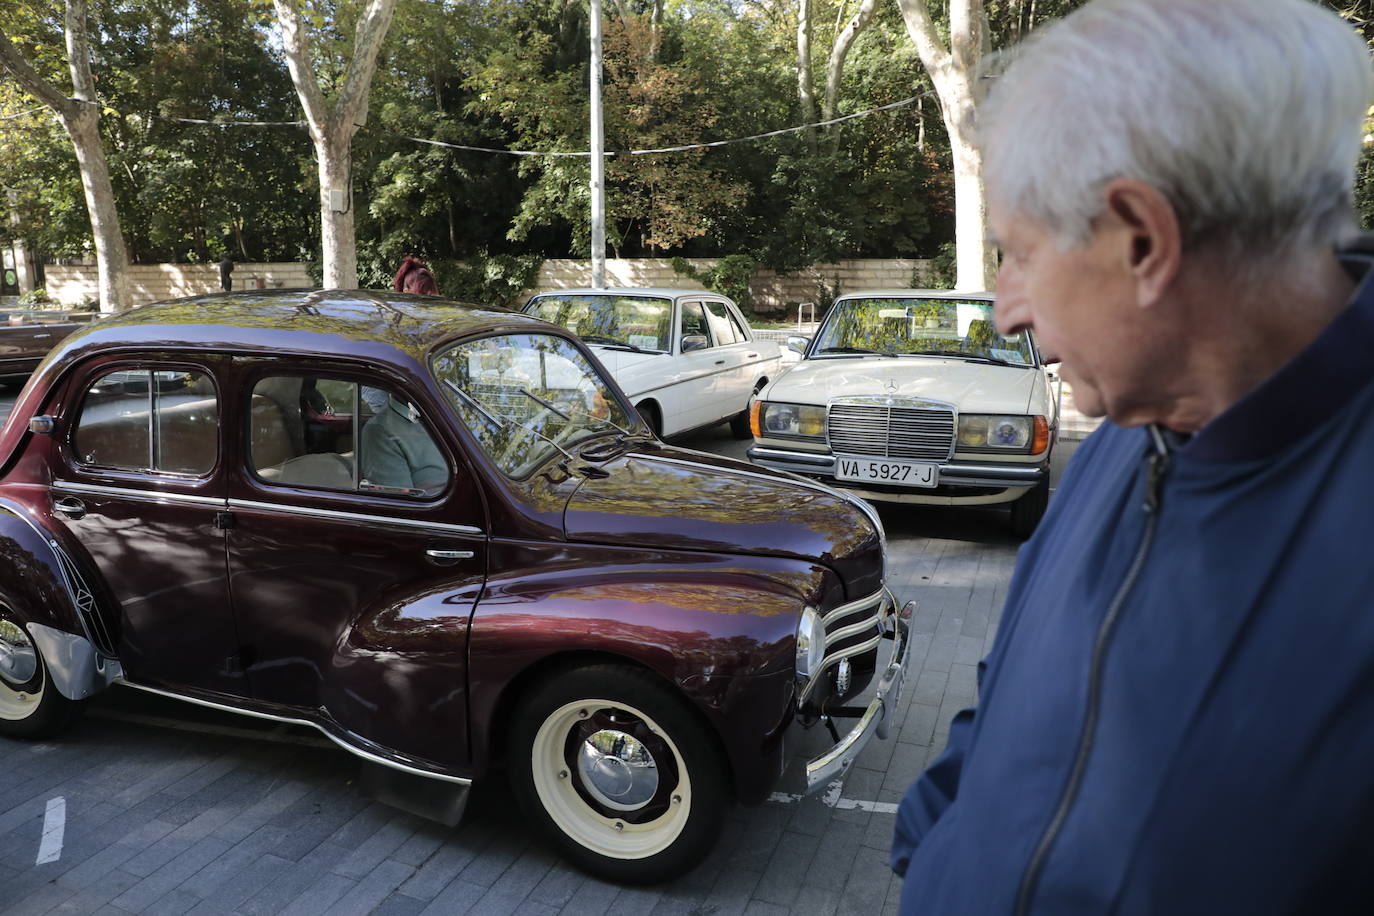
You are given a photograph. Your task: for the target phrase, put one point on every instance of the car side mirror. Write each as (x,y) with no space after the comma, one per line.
(692,342)
(798,343)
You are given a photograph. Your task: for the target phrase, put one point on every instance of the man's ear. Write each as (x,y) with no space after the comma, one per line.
(1150,230)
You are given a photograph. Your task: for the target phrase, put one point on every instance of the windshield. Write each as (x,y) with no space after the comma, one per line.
(639,322)
(897,327)
(526,396)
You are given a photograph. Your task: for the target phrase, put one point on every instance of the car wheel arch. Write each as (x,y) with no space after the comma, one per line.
(652,413)
(518,688)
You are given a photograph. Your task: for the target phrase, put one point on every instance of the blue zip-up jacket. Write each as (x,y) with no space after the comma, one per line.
(1177,715)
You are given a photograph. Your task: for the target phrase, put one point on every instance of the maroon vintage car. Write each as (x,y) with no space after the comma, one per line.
(26,336)
(437,533)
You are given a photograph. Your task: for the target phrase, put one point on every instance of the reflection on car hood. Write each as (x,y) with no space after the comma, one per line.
(676,499)
(973,387)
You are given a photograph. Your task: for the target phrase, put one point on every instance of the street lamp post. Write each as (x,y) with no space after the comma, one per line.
(598,163)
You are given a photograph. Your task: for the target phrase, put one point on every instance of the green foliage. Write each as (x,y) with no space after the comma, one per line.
(38,296)
(941,272)
(497,279)
(729,276)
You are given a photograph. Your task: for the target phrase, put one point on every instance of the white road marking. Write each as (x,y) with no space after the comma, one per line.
(833,799)
(54,827)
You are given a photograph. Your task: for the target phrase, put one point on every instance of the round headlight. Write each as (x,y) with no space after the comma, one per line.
(810,643)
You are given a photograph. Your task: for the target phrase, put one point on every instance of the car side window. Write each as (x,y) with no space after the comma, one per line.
(149,420)
(722,328)
(696,331)
(335,434)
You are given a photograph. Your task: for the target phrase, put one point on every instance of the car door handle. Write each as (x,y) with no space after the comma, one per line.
(41,336)
(437,554)
(70,506)
(720,362)
(753,356)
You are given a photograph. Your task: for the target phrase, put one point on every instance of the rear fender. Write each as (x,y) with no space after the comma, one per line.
(41,586)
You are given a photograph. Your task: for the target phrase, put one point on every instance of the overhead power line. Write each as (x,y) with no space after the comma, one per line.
(684,148)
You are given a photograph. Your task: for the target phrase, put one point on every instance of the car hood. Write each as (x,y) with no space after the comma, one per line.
(677,499)
(972,387)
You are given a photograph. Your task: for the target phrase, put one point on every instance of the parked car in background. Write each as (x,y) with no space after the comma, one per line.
(26,336)
(438,534)
(686,358)
(912,396)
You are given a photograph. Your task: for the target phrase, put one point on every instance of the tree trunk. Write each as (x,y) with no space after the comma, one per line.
(337,235)
(954,71)
(80,115)
(834,71)
(806,93)
(332,126)
(112,259)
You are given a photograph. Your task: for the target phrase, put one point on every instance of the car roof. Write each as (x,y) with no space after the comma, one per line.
(379,326)
(915,294)
(663,292)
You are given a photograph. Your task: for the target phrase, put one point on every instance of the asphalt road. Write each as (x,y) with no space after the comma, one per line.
(152,806)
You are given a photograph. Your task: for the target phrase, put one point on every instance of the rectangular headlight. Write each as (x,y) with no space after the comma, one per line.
(798,421)
(994,431)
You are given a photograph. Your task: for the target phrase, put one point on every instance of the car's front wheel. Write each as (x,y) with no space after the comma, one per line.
(30,706)
(620,772)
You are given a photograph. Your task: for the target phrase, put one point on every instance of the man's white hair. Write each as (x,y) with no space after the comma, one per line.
(1245,114)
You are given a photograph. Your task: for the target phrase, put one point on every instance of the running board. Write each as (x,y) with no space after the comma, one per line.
(370,757)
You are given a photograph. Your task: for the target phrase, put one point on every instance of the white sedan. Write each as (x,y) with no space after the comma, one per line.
(912,396)
(686,358)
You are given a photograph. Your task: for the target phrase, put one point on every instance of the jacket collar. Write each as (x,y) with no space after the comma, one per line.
(1309,389)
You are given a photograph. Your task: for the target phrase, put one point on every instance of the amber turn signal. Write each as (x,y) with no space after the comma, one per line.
(1041,440)
(755,424)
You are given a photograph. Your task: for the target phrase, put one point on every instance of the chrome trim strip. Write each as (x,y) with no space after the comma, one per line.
(154,496)
(822,770)
(640,394)
(811,459)
(335,514)
(252,713)
(1011,472)
(832,660)
(875,599)
(867,623)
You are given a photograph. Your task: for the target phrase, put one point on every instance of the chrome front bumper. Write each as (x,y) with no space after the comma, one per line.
(822,770)
(952,473)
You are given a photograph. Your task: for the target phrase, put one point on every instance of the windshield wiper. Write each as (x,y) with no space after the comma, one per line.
(857,350)
(543,403)
(612,343)
(956,354)
(506,421)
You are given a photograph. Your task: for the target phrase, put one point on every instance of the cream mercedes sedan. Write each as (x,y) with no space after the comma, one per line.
(912,396)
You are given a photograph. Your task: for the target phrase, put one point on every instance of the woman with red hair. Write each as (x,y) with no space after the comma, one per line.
(415,277)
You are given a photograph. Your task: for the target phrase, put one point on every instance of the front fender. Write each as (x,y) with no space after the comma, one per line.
(41,585)
(718,627)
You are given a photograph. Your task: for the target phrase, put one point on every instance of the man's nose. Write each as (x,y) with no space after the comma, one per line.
(1011,310)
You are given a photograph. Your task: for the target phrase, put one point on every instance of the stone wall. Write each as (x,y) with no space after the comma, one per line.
(774,293)
(72,284)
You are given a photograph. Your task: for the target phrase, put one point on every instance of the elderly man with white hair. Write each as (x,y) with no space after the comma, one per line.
(1177,715)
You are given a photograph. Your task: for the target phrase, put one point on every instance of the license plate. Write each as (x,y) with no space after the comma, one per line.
(888,470)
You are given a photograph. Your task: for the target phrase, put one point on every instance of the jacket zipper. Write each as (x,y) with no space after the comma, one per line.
(1155,469)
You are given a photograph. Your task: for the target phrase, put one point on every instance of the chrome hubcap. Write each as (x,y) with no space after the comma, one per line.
(617,770)
(18,659)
